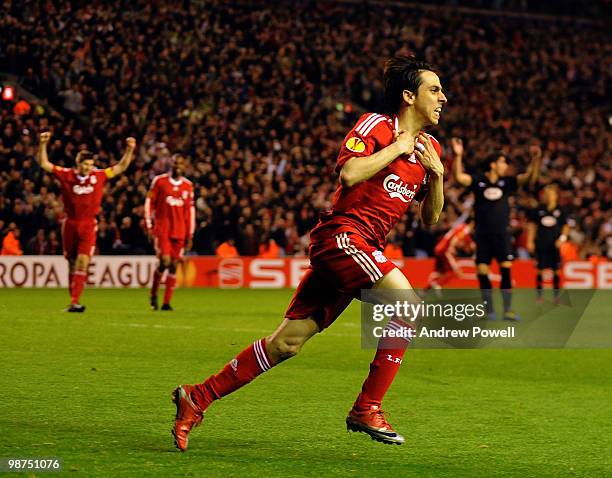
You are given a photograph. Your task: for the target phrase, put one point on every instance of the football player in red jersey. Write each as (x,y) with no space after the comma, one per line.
(385,162)
(458,237)
(82,189)
(170,218)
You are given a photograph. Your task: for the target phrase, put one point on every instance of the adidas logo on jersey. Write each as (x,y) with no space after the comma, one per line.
(76,189)
(399,189)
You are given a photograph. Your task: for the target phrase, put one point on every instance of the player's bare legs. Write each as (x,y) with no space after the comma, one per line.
(78,276)
(366,415)
(193,400)
(165,262)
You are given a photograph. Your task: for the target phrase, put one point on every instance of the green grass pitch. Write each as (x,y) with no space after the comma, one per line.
(94,390)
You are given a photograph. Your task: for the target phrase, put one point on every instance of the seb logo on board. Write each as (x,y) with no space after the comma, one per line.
(175,202)
(398,188)
(88,189)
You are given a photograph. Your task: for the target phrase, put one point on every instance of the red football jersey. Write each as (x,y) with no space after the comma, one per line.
(82,195)
(460,231)
(371,208)
(169,207)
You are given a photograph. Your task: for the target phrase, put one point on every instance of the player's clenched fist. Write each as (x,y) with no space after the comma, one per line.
(45,137)
(428,156)
(131,142)
(535,151)
(404,140)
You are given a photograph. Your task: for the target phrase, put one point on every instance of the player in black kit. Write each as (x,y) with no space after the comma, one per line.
(492,216)
(547,231)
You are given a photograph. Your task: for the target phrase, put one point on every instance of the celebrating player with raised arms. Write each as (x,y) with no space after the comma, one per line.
(82,189)
(491,188)
(170,218)
(386,161)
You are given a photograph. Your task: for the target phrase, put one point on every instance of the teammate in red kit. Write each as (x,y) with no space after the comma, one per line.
(385,162)
(170,218)
(82,189)
(458,237)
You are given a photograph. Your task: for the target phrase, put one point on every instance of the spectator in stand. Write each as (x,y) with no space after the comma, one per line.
(38,245)
(54,245)
(227,249)
(10,243)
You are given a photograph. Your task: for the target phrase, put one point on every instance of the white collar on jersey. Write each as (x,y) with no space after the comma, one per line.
(175,182)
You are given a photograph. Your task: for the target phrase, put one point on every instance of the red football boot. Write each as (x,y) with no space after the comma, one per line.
(188,415)
(373,422)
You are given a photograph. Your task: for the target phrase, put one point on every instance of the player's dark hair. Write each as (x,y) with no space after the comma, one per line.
(485,165)
(402,73)
(84,155)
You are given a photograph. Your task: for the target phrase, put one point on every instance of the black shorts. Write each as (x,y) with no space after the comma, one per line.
(491,246)
(547,256)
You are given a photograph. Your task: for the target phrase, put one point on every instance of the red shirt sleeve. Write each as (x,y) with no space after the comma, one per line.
(189,215)
(371,133)
(60,173)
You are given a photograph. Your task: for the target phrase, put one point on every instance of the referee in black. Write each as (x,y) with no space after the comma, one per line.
(548,229)
(491,189)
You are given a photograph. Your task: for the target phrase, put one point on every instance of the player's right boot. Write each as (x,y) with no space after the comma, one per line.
(153,302)
(75,308)
(373,422)
(188,415)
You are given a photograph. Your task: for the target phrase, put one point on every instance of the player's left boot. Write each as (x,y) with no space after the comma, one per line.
(374,423)
(511,316)
(188,415)
(153,302)
(75,308)
(166,307)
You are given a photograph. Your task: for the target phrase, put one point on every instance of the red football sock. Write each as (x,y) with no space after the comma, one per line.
(383,368)
(70,276)
(170,284)
(78,284)
(156,280)
(247,365)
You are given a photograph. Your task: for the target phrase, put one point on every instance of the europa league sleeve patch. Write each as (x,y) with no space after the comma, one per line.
(355,145)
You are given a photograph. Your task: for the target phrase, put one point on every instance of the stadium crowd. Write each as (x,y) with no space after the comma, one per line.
(260,98)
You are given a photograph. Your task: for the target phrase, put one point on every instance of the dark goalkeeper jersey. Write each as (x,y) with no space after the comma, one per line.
(491,208)
(550,224)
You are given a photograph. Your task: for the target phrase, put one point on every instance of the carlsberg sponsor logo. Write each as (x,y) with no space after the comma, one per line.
(176,202)
(398,189)
(76,189)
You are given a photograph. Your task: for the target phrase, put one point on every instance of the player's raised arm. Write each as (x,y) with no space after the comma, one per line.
(530,176)
(43,159)
(431,206)
(460,176)
(125,161)
(361,168)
